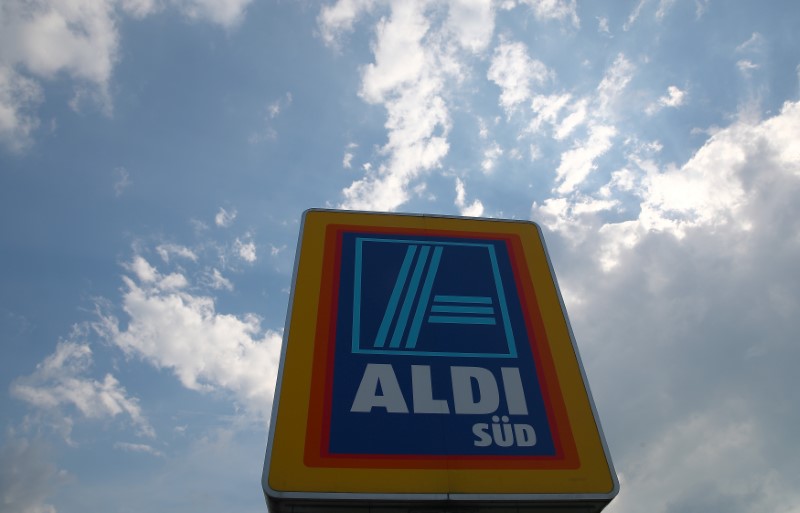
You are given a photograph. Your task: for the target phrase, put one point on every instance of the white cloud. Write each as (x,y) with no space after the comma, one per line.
(560,10)
(471,22)
(276,107)
(577,163)
(217,281)
(224,218)
(686,325)
(227,13)
(700,8)
(577,117)
(621,180)
(602,25)
(400,56)
(474,209)
(19,97)
(616,78)
(407,80)
(746,66)
(141,448)
(149,274)
(347,160)
(60,383)
(674,98)
(207,350)
(515,72)
(245,250)
(49,38)
(483,130)
(140,8)
(122,180)
(78,39)
(339,17)
(571,217)
(596,114)
(709,190)
(165,251)
(490,156)
(419,49)
(663,7)
(754,44)
(634,15)
(546,109)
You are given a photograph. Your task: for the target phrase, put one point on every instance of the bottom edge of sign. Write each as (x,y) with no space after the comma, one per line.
(437,497)
(461,503)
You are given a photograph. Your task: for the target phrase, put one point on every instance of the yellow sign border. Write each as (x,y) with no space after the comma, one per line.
(285,471)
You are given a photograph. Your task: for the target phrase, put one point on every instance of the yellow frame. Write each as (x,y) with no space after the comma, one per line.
(286,474)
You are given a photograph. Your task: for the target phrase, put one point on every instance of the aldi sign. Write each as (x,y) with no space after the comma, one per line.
(428,360)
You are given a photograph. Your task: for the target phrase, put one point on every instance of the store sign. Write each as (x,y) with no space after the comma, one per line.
(429,358)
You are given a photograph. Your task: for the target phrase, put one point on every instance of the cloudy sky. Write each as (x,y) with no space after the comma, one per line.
(156,157)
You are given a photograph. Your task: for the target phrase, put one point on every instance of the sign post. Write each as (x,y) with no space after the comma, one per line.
(428,363)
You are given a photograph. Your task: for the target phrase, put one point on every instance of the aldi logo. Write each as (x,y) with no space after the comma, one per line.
(430,357)
(410,297)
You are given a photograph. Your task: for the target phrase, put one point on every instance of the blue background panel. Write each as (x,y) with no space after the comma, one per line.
(382,274)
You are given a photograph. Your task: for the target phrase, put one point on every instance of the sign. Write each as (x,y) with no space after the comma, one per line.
(429,359)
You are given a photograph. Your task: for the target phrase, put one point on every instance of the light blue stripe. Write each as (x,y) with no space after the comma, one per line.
(424,297)
(422,242)
(501,295)
(418,352)
(453,319)
(488,310)
(413,285)
(357,298)
(380,338)
(483,300)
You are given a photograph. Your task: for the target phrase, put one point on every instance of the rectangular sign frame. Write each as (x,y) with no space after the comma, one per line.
(301,471)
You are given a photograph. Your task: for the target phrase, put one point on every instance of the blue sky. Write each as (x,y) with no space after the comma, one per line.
(156,157)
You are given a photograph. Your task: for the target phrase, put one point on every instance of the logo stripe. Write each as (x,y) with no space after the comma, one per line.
(399,284)
(408,302)
(424,297)
(487,310)
(501,297)
(452,319)
(483,300)
(357,295)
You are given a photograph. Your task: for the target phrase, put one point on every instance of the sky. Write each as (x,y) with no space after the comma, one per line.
(156,157)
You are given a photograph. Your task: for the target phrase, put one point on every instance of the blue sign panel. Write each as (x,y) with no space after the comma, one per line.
(432,355)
